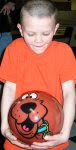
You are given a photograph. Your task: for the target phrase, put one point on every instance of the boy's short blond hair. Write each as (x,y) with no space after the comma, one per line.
(38,8)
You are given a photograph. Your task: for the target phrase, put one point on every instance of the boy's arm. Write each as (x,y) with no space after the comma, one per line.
(7,100)
(69,106)
(68,88)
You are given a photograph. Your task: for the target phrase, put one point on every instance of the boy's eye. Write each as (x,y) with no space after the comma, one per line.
(30,34)
(46,34)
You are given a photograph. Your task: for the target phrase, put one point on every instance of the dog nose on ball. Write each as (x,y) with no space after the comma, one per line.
(28,107)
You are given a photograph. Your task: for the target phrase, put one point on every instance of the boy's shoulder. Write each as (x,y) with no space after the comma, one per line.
(17,42)
(61,47)
(61,44)
(63,52)
(16,46)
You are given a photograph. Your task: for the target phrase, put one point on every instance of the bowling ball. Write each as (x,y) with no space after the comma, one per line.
(34,115)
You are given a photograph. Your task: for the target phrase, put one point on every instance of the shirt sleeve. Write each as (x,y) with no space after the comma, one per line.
(8,68)
(68,65)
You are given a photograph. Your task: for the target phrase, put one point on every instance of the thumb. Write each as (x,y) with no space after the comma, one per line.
(49,138)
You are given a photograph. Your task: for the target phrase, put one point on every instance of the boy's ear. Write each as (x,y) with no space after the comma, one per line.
(20,29)
(56,28)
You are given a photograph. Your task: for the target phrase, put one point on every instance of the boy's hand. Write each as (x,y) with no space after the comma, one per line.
(14,140)
(51,141)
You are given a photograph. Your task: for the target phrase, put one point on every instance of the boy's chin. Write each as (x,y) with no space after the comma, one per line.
(39,50)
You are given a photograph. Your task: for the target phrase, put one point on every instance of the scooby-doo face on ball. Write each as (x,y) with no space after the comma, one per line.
(29,113)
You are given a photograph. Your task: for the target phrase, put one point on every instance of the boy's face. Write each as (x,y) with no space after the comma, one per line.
(38,32)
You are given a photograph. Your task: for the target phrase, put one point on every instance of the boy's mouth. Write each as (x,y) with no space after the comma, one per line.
(38,45)
(39,48)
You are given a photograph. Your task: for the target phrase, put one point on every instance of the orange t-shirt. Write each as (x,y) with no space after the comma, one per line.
(44,72)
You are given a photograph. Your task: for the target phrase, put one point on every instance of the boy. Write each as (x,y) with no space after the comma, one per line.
(35,62)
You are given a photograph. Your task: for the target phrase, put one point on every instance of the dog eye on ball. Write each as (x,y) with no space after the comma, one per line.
(33,95)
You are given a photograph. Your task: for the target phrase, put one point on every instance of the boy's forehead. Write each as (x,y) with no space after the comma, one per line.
(37,21)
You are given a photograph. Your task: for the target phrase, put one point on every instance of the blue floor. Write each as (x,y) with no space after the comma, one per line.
(73,137)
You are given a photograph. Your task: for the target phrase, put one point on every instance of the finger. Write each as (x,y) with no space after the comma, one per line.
(44,144)
(8,12)
(18,143)
(4,11)
(1,11)
(38,148)
(13,8)
(10,136)
(51,138)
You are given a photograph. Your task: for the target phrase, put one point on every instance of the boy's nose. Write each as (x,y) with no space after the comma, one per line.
(38,39)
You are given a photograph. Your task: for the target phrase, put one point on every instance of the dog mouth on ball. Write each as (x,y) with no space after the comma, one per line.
(27,125)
